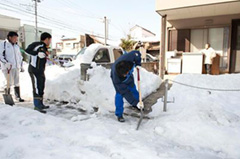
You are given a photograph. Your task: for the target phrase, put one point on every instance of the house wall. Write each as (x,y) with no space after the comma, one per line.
(139,33)
(28,33)
(171,4)
(176,27)
(202,22)
(71,46)
(8,24)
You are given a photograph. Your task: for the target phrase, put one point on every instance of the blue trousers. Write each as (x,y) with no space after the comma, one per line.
(119,100)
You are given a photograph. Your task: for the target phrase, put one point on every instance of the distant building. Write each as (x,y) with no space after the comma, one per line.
(91,39)
(27,34)
(137,32)
(8,24)
(70,46)
(150,41)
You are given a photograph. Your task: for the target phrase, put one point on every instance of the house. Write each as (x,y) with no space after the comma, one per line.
(70,46)
(187,25)
(137,33)
(8,24)
(27,34)
(91,39)
(147,38)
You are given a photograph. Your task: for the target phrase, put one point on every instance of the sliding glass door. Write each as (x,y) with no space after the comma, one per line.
(218,39)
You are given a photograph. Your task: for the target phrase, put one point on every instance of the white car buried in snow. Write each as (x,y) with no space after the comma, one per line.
(99,53)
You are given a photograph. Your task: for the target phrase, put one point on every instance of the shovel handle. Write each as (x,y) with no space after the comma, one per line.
(139,88)
(8,78)
(138,74)
(8,70)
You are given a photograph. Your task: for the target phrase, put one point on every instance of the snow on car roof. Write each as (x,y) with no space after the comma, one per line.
(90,51)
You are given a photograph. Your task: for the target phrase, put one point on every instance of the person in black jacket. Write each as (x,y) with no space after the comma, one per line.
(123,81)
(38,52)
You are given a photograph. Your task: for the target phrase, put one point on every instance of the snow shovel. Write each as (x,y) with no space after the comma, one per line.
(7,96)
(140,99)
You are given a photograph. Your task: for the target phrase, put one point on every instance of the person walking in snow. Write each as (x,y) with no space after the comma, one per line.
(123,81)
(38,52)
(209,54)
(11,60)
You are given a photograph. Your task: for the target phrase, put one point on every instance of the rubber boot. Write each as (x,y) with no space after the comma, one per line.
(38,106)
(17,94)
(121,119)
(44,106)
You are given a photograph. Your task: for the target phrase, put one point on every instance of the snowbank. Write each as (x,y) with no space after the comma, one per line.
(202,120)
(64,84)
(98,91)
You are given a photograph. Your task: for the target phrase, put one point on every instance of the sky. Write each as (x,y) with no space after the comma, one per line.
(74,17)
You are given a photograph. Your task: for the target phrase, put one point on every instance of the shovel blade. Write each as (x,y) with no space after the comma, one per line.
(8,99)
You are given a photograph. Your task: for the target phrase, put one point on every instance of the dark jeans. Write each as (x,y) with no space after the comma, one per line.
(208,68)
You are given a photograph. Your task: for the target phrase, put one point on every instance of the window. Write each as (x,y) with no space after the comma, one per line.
(198,39)
(68,45)
(76,45)
(102,56)
(117,53)
(217,37)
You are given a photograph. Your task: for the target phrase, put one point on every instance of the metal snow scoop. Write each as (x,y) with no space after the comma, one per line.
(7,96)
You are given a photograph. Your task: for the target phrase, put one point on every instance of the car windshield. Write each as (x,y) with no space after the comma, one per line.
(82,51)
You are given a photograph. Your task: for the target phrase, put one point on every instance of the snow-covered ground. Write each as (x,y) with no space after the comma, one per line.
(199,124)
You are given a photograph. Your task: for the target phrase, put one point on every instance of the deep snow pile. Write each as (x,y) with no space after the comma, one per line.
(64,84)
(203,120)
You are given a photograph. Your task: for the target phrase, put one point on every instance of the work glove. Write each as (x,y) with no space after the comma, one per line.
(41,55)
(22,69)
(139,67)
(8,65)
(140,105)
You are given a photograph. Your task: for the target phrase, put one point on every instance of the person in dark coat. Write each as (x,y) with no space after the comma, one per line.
(123,81)
(38,52)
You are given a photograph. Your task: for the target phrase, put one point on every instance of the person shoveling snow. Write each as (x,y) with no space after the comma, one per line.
(123,81)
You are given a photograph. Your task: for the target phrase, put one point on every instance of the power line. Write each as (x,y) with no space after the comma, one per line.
(40,16)
(75,5)
(53,21)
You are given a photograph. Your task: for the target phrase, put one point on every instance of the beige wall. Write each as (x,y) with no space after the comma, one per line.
(9,23)
(171,4)
(203,22)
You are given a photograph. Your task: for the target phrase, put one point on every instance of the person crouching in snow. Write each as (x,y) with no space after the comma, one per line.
(123,81)
(38,52)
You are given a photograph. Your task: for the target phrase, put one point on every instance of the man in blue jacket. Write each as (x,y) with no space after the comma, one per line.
(123,81)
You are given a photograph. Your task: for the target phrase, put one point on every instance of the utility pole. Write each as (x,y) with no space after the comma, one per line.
(106,30)
(36,22)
